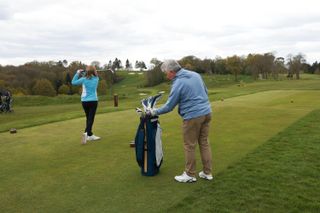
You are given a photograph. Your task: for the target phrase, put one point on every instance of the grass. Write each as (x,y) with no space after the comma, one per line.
(218,93)
(45,169)
(37,110)
(283,175)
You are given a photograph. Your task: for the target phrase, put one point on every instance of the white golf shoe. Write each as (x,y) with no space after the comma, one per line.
(84,138)
(185,178)
(93,138)
(205,176)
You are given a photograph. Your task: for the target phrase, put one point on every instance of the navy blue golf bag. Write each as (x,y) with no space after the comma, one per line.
(148,143)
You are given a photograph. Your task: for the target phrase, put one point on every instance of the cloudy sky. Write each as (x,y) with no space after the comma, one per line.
(88,30)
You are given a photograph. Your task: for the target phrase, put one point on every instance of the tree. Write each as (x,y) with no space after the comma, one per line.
(207,65)
(306,67)
(295,64)
(68,82)
(109,66)
(128,65)
(96,64)
(314,67)
(279,67)
(154,76)
(261,65)
(3,84)
(57,85)
(43,87)
(140,65)
(234,65)
(220,66)
(155,61)
(68,79)
(75,65)
(252,62)
(190,62)
(143,65)
(267,64)
(116,64)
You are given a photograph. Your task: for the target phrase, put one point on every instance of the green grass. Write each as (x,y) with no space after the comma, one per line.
(45,169)
(37,110)
(283,175)
(23,117)
(217,93)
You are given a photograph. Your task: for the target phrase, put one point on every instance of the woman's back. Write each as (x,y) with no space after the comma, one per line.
(89,89)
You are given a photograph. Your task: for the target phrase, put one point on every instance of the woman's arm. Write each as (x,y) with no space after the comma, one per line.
(76,80)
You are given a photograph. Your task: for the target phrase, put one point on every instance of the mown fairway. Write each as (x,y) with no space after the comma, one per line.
(282,175)
(45,169)
(33,110)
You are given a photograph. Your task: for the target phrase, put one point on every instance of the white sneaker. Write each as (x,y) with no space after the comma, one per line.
(205,176)
(84,138)
(93,138)
(184,178)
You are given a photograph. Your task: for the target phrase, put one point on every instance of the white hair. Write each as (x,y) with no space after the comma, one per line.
(170,65)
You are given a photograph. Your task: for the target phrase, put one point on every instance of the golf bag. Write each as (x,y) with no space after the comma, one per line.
(148,144)
(5,101)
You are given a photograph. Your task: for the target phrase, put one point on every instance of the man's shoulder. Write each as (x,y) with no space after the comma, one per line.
(190,72)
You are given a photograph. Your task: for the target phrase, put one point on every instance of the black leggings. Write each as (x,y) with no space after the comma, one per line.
(89,108)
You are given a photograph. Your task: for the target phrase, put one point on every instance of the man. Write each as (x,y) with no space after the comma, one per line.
(189,91)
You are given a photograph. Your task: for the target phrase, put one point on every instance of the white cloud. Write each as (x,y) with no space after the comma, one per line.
(140,30)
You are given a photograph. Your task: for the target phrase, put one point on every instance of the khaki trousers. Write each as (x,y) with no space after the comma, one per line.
(196,131)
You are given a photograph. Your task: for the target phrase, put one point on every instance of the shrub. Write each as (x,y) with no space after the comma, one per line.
(43,87)
(102,87)
(64,89)
(154,76)
(76,90)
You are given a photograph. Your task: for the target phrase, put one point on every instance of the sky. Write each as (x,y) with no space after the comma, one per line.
(101,30)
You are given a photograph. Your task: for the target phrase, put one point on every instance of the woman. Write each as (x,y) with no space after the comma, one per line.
(89,98)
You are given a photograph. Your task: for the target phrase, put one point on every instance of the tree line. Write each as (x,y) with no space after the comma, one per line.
(259,66)
(51,78)
(117,65)
(263,66)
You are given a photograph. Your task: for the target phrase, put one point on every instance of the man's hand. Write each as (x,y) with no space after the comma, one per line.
(151,112)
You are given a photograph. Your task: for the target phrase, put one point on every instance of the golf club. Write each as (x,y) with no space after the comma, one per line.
(65,65)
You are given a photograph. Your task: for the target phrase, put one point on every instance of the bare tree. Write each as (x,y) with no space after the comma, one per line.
(294,63)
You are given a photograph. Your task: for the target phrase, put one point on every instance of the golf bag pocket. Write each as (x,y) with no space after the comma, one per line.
(139,144)
(159,152)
